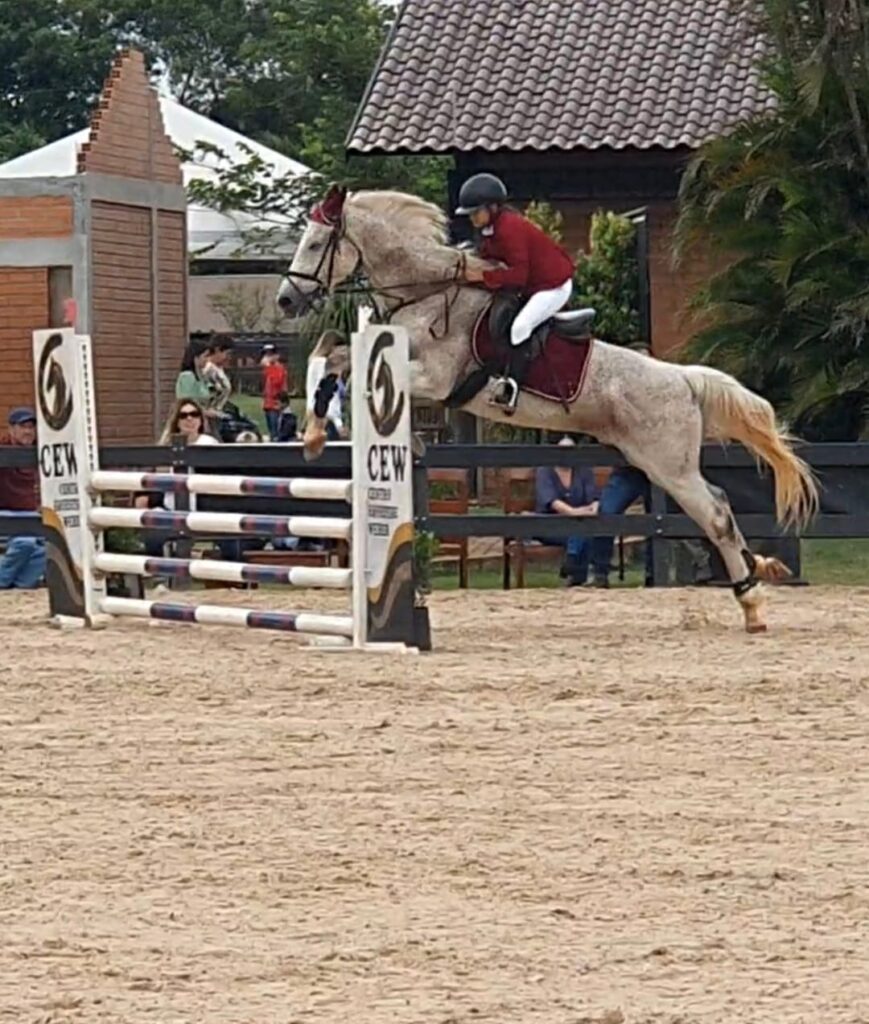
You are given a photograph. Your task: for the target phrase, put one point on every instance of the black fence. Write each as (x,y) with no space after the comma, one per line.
(842,470)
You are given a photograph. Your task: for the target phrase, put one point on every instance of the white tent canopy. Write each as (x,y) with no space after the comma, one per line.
(217,235)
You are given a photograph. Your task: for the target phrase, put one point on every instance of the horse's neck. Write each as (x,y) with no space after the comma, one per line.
(401,266)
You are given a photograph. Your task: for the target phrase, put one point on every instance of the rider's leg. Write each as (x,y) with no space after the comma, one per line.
(537,310)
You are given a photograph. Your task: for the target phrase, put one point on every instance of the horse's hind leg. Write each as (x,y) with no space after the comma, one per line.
(709,508)
(673,464)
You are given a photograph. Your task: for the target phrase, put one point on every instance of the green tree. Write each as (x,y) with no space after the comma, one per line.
(607,278)
(784,201)
(54,56)
(288,73)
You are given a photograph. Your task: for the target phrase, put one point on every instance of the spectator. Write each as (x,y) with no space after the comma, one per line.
(189,382)
(23,563)
(186,420)
(275,382)
(335,429)
(625,486)
(214,374)
(565,492)
(288,424)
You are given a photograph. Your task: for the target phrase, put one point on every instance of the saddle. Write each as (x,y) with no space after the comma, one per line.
(558,354)
(572,325)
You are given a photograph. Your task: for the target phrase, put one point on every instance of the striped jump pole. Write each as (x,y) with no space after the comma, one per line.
(218,571)
(218,615)
(379,523)
(232,486)
(105,517)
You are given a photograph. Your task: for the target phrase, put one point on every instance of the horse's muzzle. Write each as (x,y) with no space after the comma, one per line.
(292,301)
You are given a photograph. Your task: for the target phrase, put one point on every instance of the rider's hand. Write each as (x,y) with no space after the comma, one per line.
(474,275)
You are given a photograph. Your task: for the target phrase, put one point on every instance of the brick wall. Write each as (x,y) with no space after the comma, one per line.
(127,137)
(132,271)
(671,287)
(122,323)
(172,305)
(23,309)
(35,216)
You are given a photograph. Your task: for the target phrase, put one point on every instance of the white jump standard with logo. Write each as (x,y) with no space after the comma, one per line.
(380,528)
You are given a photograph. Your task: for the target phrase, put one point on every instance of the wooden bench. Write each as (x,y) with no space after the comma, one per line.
(455,502)
(518,497)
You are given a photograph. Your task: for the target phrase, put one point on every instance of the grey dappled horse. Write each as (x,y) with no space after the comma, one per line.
(656,413)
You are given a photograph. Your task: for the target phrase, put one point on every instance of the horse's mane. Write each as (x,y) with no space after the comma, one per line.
(418,218)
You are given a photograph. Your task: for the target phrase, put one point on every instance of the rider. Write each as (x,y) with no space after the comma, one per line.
(533,264)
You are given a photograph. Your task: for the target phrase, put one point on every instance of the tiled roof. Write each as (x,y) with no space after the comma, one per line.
(561,74)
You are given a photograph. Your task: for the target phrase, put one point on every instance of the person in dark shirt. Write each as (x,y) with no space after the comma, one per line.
(288,424)
(23,563)
(565,492)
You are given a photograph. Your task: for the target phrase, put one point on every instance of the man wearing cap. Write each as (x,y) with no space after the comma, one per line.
(23,564)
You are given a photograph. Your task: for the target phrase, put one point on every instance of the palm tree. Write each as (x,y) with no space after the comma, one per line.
(785,201)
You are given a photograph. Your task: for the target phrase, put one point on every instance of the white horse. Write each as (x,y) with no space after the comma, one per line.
(656,413)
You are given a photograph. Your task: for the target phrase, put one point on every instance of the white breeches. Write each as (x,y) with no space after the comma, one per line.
(538,309)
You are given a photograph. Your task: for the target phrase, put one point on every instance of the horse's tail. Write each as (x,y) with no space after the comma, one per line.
(732,412)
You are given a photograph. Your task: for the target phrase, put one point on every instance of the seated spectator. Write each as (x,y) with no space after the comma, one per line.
(625,486)
(23,563)
(565,492)
(187,420)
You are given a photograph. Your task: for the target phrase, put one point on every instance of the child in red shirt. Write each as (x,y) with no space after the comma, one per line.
(274,383)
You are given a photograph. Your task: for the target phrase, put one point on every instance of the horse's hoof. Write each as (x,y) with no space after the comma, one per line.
(756,627)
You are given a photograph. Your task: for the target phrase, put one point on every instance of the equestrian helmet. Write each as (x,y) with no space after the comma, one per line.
(481,190)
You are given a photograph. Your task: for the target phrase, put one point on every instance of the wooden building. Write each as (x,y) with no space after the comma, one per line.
(106,246)
(588,104)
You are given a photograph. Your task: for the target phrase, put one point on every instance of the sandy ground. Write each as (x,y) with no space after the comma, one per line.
(583,808)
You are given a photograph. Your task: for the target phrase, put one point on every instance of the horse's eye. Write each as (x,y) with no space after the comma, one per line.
(315,246)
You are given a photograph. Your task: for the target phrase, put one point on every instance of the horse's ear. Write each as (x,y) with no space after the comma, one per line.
(333,202)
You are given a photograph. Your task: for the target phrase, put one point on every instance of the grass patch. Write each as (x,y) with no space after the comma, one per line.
(824,563)
(836,562)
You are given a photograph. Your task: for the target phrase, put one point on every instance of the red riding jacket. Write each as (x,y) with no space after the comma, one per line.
(19,487)
(533,262)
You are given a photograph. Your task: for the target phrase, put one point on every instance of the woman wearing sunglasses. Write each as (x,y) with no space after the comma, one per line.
(187,419)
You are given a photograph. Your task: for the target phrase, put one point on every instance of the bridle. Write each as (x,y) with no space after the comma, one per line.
(337,234)
(355,284)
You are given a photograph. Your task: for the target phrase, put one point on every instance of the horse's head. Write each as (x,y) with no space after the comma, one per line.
(325,257)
